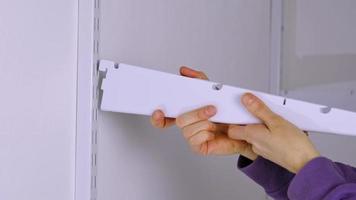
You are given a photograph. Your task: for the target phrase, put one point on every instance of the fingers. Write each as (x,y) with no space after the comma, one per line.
(221,144)
(259,109)
(158,120)
(186,71)
(195,116)
(200,138)
(195,128)
(253,133)
(237,132)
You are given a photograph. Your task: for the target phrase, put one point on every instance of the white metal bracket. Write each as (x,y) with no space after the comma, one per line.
(137,90)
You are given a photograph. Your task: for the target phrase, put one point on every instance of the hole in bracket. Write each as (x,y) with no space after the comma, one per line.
(284,101)
(325,110)
(218,86)
(116,66)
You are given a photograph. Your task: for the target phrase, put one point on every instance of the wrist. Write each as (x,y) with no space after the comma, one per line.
(252,156)
(303,160)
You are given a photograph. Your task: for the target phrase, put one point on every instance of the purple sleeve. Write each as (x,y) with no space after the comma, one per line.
(321,178)
(273,178)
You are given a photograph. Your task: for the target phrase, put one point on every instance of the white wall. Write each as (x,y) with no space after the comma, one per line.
(38,98)
(319,63)
(319,43)
(228,39)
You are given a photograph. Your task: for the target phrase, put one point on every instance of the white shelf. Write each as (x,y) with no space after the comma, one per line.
(339,95)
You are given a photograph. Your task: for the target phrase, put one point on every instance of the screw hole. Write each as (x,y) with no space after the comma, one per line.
(325,110)
(218,86)
(116,66)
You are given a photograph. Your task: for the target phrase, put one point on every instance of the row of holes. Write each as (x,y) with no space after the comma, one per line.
(96,4)
(323,110)
(96,47)
(95,98)
(219,86)
(96,24)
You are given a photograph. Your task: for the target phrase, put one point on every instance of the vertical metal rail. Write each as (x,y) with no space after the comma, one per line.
(87,100)
(96,92)
(276,30)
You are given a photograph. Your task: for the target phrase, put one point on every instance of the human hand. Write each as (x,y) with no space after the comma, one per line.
(208,138)
(158,118)
(277,139)
(203,136)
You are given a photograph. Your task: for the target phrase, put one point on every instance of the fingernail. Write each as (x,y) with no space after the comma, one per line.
(210,110)
(248,99)
(157,116)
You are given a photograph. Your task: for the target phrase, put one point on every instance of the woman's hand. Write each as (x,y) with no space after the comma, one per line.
(203,136)
(277,139)
(208,138)
(158,119)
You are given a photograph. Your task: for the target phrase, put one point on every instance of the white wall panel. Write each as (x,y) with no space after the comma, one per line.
(319,43)
(38,97)
(229,40)
(319,63)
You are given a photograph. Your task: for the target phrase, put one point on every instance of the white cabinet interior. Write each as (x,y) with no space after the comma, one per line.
(230,41)
(38,48)
(319,62)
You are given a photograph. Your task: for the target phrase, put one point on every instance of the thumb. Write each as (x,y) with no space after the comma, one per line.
(189,72)
(260,110)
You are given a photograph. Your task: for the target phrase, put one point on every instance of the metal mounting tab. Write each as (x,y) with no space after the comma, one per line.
(105,65)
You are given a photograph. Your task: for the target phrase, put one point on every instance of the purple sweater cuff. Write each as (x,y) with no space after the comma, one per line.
(316,179)
(319,179)
(273,178)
